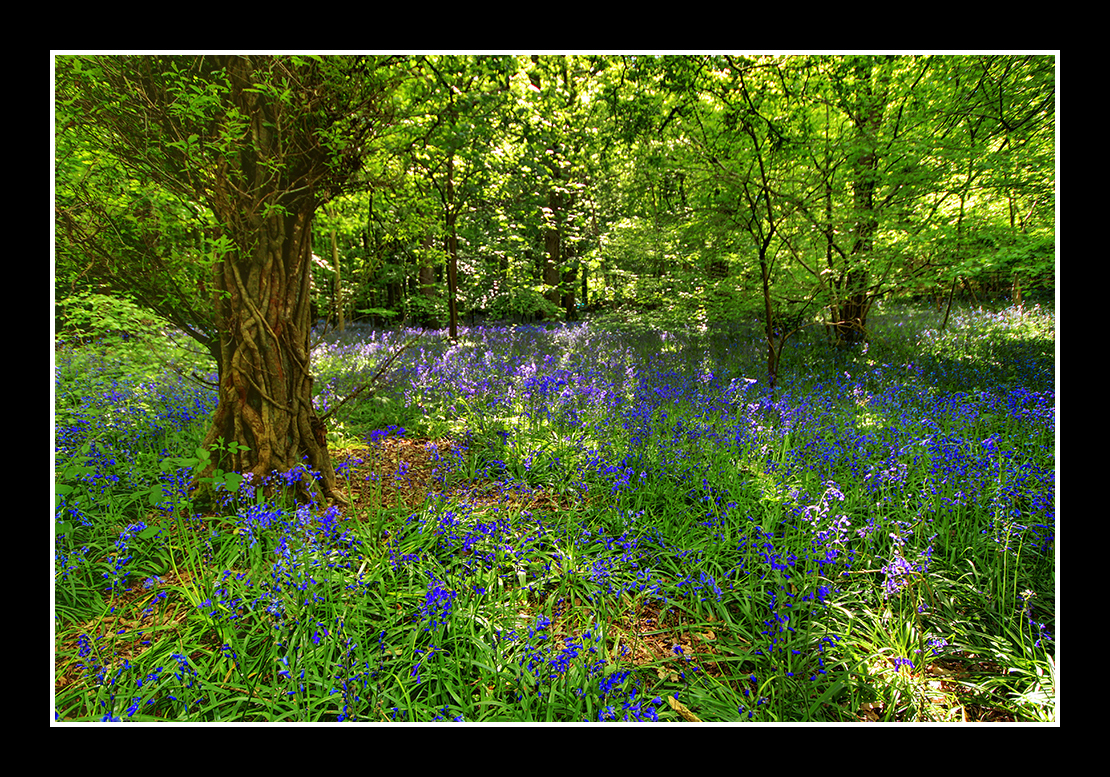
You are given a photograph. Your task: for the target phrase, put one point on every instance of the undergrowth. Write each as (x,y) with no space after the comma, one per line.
(577,523)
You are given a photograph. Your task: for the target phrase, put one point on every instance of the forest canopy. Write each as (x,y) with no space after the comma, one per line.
(540,187)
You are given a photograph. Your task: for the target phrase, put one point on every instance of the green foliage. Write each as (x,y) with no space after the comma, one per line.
(522,304)
(665,178)
(88,315)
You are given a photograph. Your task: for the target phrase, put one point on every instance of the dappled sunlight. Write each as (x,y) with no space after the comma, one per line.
(645,532)
(554,388)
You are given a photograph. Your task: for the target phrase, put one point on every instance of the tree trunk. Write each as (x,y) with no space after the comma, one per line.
(551,244)
(769,329)
(570,274)
(452,253)
(855,301)
(425,285)
(265,391)
(852,309)
(426,280)
(340,321)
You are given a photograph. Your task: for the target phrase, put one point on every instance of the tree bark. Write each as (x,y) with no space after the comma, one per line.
(265,389)
(570,275)
(769,329)
(265,200)
(452,252)
(551,244)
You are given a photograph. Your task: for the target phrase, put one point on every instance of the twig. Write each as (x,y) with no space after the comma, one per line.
(372,380)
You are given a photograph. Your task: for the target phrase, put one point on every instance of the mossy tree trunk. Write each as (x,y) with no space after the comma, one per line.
(265,198)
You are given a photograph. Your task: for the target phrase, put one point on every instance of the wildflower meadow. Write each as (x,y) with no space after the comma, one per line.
(600,521)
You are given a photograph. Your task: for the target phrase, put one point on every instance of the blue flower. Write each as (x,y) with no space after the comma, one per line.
(899,662)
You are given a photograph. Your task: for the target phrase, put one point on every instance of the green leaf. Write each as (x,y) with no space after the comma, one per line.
(149,532)
(232,481)
(156,495)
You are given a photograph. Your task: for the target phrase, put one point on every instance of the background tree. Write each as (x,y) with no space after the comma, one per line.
(459,96)
(841,176)
(997,129)
(558,114)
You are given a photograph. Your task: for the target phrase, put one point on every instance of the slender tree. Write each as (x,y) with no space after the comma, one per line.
(556,127)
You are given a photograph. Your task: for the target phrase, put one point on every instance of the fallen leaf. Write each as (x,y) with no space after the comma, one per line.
(682,710)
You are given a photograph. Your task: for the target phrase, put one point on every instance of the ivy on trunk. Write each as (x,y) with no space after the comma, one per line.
(262,142)
(265,390)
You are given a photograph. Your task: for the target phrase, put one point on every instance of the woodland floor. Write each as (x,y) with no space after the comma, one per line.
(644,630)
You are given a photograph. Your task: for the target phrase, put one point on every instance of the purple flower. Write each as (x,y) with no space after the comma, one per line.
(900,662)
